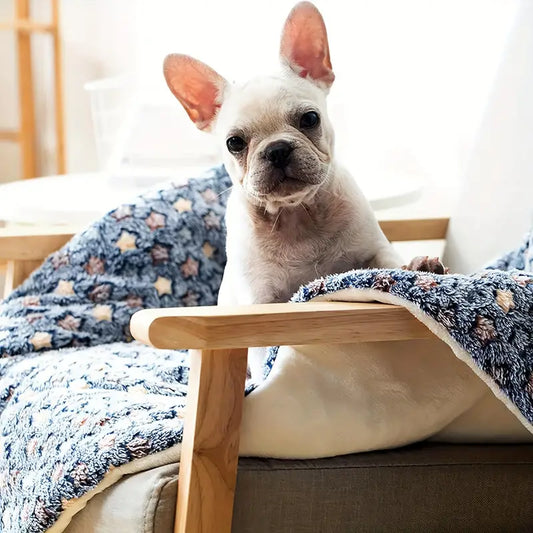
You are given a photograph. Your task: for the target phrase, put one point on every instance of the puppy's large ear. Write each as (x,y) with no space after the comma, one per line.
(304,45)
(198,87)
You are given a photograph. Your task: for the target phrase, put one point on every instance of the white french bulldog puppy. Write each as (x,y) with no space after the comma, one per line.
(293,213)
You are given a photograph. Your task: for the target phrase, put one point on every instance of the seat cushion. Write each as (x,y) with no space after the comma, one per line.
(424,487)
(137,503)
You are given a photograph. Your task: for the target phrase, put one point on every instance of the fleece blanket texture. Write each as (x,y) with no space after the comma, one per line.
(79,400)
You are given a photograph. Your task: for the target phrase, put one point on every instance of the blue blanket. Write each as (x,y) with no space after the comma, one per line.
(78,398)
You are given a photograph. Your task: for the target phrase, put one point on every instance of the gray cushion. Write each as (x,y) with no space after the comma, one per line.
(424,487)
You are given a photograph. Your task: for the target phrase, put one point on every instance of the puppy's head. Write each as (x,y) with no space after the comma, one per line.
(276,137)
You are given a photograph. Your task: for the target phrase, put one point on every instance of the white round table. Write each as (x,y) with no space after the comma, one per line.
(78,199)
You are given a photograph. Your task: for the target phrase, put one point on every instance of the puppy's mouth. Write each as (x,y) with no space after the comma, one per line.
(283,183)
(285,190)
(286,181)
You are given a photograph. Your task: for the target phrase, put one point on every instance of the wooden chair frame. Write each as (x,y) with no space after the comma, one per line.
(23,249)
(218,338)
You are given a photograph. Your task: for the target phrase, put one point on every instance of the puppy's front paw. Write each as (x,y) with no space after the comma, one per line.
(423,263)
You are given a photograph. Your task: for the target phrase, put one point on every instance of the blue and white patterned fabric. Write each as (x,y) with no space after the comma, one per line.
(79,399)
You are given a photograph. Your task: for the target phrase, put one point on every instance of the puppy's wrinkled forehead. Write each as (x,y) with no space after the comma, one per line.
(267,104)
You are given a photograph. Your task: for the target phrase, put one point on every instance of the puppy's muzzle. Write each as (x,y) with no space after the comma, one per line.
(278,153)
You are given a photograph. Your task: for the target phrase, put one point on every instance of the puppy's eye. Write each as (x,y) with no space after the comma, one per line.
(309,120)
(236,144)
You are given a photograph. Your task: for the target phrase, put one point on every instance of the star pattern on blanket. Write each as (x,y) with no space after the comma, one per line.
(212,221)
(126,242)
(139,447)
(190,299)
(182,205)
(34,317)
(426,282)
(60,259)
(31,300)
(41,339)
(155,221)
(208,250)
(64,288)
(505,300)
(485,329)
(100,293)
(209,196)
(522,280)
(95,265)
(102,312)
(163,286)
(122,213)
(58,472)
(189,268)
(69,322)
(160,254)
(383,282)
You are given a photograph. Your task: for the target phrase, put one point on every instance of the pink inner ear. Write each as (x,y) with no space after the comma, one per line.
(196,86)
(310,57)
(201,96)
(304,44)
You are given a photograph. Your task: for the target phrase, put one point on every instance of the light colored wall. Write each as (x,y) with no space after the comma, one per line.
(496,204)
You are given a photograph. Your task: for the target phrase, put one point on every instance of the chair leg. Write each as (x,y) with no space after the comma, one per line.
(16,273)
(210,449)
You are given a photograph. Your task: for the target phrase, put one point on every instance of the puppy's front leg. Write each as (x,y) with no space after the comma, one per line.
(236,290)
(386,257)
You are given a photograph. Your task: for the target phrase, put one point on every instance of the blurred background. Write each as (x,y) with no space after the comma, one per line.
(413,79)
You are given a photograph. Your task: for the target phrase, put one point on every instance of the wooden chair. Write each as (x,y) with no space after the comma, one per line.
(218,338)
(22,250)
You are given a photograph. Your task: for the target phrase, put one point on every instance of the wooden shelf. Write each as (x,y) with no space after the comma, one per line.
(26,26)
(11,136)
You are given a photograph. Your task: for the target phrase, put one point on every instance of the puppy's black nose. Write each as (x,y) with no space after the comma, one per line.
(278,153)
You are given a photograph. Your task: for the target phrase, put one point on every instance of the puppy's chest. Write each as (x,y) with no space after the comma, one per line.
(276,267)
(273,256)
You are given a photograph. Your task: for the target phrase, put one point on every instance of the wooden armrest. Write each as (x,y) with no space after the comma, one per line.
(29,244)
(209,456)
(217,327)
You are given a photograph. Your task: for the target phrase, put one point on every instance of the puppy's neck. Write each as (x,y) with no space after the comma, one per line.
(327,211)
